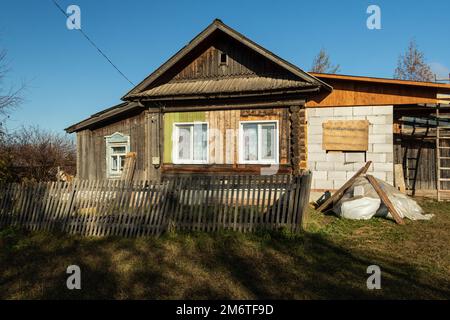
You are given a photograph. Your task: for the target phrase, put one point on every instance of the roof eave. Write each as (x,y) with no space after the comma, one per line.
(219,25)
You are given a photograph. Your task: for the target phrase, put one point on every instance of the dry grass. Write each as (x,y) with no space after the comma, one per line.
(329,260)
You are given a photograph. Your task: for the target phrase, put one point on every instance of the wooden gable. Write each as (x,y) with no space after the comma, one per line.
(197,69)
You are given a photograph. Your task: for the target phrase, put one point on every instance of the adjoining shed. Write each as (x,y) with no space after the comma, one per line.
(401,118)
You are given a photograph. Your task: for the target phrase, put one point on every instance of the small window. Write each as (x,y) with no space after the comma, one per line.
(190,143)
(117,147)
(258,142)
(223,59)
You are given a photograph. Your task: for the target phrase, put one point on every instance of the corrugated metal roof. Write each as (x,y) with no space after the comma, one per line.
(222,86)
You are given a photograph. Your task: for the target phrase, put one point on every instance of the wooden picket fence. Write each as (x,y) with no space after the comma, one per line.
(111,207)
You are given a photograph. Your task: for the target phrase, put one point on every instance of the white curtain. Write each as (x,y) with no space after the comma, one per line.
(184,142)
(268,142)
(250,136)
(200,142)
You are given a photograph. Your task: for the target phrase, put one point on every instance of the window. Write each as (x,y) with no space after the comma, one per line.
(258,142)
(190,143)
(223,59)
(117,147)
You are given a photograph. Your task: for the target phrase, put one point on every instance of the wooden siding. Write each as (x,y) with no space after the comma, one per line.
(224,133)
(91,147)
(169,120)
(354,93)
(241,61)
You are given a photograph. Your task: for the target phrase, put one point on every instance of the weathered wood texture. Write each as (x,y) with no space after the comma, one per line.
(223,126)
(385,199)
(348,92)
(345,135)
(91,147)
(241,61)
(112,207)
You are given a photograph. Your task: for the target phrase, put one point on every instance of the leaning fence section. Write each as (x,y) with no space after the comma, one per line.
(120,208)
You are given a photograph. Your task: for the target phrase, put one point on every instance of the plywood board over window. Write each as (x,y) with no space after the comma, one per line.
(345,135)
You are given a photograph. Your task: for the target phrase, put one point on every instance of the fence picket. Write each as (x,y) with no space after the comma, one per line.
(201,203)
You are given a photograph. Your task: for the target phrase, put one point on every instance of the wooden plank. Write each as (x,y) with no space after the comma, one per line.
(385,199)
(399,178)
(338,194)
(345,135)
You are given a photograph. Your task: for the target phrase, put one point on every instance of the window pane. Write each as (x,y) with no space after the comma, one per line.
(184,142)
(268,142)
(250,137)
(200,141)
(120,149)
(122,162)
(114,163)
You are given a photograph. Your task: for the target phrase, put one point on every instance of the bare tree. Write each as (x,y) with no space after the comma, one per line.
(322,63)
(8,97)
(412,66)
(35,154)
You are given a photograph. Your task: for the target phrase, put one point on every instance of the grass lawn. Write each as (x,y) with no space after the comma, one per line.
(328,260)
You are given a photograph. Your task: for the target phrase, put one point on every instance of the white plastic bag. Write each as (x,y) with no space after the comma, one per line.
(360,208)
(361,201)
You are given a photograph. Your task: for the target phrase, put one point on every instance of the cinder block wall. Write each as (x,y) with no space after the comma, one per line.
(331,170)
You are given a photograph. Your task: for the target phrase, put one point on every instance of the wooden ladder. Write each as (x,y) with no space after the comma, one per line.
(442,155)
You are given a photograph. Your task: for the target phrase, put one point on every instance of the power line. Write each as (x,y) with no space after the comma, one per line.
(94,45)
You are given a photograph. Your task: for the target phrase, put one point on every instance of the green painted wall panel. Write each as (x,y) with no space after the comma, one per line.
(169,120)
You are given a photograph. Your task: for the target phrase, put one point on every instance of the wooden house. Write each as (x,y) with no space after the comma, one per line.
(224,105)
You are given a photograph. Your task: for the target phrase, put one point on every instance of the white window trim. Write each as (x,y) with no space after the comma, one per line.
(241,143)
(109,145)
(175,159)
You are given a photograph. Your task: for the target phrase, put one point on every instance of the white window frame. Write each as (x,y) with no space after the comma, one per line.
(241,142)
(117,139)
(175,136)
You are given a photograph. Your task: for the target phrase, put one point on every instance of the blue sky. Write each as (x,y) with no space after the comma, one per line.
(68,80)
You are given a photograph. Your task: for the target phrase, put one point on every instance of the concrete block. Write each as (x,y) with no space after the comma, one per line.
(310,112)
(359,165)
(324,112)
(315,129)
(338,183)
(381,110)
(311,165)
(379,175)
(370,147)
(314,138)
(320,175)
(337,175)
(323,184)
(354,157)
(350,174)
(378,120)
(324,165)
(317,156)
(383,167)
(315,121)
(382,129)
(383,147)
(336,156)
(390,177)
(376,157)
(363,111)
(390,138)
(342,111)
(343,166)
(389,157)
(315,147)
(378,138)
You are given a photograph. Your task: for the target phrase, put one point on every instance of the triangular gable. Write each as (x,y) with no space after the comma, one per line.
(202,37)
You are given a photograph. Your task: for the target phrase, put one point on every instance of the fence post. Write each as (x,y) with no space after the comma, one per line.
(305,185)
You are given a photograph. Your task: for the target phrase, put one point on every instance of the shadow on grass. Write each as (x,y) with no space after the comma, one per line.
(224,265)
